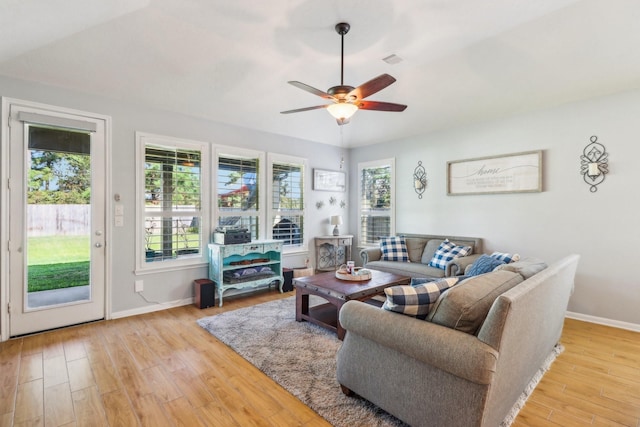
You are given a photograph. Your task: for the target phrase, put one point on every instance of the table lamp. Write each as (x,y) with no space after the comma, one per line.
(336,220)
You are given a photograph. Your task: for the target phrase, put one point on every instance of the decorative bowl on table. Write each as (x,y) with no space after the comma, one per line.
(359,274)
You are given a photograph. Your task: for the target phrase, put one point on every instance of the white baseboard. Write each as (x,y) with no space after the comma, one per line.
(151,308)
(603,321)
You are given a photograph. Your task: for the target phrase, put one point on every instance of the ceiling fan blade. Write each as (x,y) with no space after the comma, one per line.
(371,87)
(380,106)
(298,110)
(311,89)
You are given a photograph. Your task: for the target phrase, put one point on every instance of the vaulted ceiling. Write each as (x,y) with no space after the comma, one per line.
(462,61)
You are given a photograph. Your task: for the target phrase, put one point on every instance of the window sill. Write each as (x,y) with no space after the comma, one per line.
(296,251)
(170,267)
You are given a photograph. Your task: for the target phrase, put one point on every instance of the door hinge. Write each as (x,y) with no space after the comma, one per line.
(9,308)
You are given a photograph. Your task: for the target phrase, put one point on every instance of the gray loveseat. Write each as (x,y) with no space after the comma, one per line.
(421,248)
(427,374)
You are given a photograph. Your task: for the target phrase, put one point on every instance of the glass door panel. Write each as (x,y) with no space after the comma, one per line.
(58,217)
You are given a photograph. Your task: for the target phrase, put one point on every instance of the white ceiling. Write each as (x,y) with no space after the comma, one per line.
(229,61)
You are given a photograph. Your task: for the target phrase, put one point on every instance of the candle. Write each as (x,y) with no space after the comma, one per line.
(593,169)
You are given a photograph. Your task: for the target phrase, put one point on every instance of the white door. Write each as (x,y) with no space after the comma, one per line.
(56,218)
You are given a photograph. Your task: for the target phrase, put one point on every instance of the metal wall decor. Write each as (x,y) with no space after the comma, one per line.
(594,164)
(419,179)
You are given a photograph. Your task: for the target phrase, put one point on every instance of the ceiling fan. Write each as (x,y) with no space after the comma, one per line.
(347,99)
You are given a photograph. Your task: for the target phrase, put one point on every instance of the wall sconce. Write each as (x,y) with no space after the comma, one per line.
(594,164)
(419,179)
(336,220)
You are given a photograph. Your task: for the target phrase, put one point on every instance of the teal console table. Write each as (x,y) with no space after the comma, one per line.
(228,262)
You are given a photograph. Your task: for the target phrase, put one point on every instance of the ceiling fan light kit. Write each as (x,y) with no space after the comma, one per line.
(342,110)
(347,99)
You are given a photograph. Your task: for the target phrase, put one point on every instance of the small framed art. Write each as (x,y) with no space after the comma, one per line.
(326,180)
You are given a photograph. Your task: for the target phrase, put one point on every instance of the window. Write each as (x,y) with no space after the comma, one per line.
(376,200)
(172,193)
(286,210)
(238,186)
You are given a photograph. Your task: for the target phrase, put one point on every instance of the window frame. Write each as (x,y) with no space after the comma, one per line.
(391,162)
(222,151)
(143,139)
(275,158)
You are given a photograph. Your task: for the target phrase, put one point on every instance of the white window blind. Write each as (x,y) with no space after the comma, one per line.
(376,201)
(287,202)
(173,203)
(238,191)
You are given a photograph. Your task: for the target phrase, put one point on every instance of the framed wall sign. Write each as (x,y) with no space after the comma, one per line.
(326,180)
(509,173)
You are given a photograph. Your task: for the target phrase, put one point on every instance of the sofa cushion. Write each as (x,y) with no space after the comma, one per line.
(465,306)
(429,250)
(507,258)
(411,269)
(484,264)
(446,252)
(415,247)
(416,299)
(394,249)
(526,267)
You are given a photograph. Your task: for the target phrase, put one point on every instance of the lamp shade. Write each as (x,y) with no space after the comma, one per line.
(342,110)
(336,220)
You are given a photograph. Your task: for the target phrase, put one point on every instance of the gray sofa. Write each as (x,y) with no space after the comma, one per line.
(421,248)
(427,374)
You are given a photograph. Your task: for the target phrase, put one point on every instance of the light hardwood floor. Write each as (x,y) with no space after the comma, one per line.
(162,369)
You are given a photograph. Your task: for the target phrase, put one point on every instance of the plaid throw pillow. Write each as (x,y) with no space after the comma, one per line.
(446,252)
(416,300)
(507,258)
(394,249)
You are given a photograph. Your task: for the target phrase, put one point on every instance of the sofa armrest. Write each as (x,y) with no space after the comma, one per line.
(370,254)
(455,352)
(457,266)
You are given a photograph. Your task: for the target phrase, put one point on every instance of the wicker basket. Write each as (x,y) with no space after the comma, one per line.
(303,272)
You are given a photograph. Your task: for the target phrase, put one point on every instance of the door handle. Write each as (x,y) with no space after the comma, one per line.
(98,245)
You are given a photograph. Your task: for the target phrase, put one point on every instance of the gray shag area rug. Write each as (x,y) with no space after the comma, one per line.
(301,357)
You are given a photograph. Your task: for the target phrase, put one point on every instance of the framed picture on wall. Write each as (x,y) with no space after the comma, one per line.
(508,173)
(326,180)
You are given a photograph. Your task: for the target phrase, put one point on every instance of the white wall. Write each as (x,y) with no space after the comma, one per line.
(565,218)
(172,287)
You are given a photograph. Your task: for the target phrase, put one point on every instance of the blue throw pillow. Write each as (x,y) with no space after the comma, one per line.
(394,249)
(416,301)
(415,281)
(484,264)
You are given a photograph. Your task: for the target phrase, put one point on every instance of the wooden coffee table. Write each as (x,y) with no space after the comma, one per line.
(337,292)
